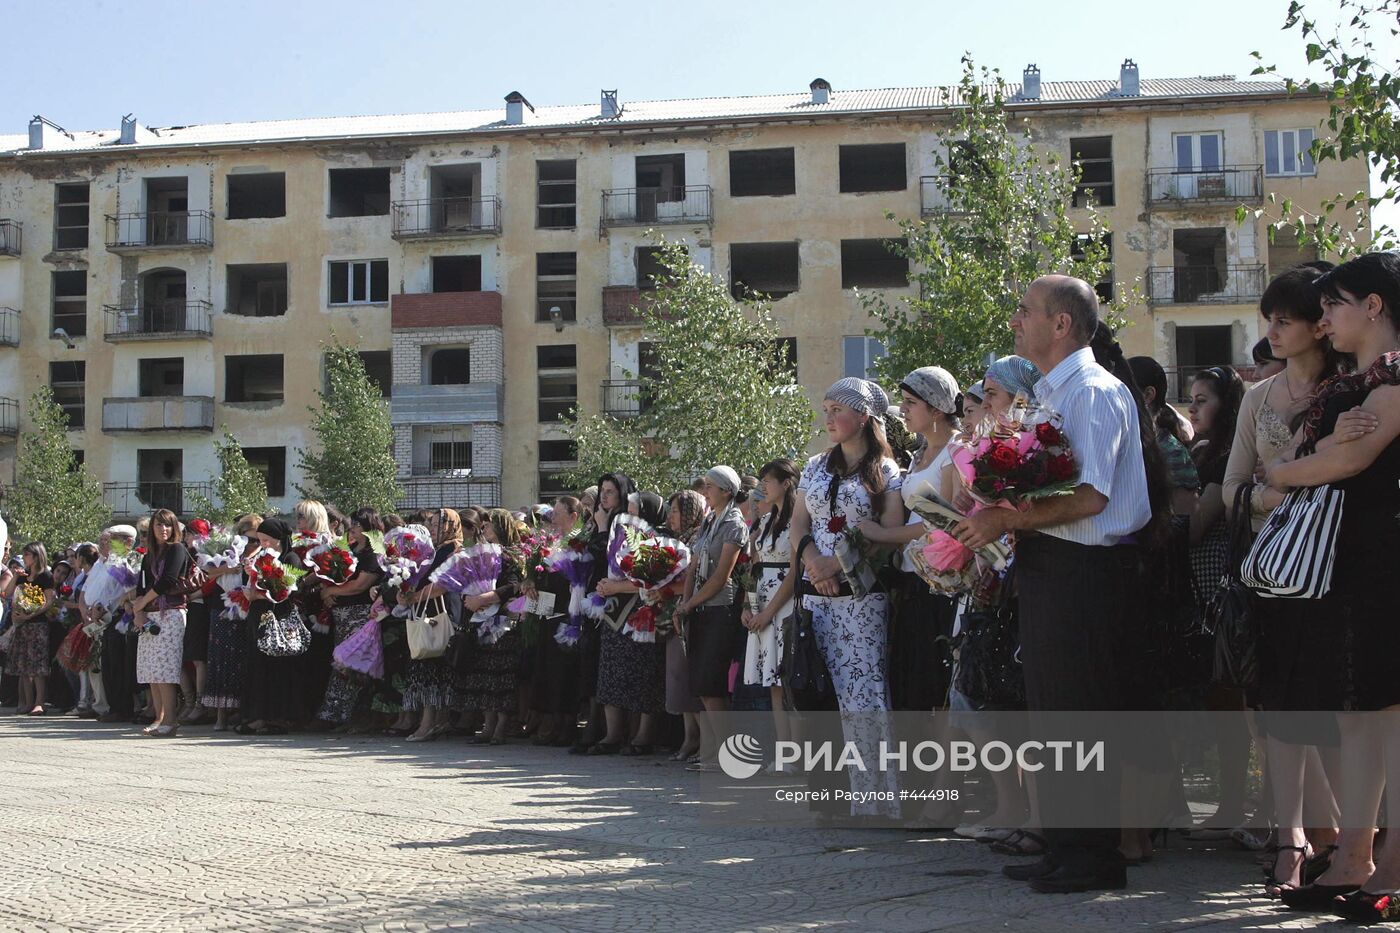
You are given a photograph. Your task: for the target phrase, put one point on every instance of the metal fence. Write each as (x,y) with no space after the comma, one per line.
(676,205)
(448,492)
(446,217)
(1205,284)
(1227,184)
(163,319)
(622,399)
(9,327)
(11,235)
(129,500)
(154,229)
(9,417)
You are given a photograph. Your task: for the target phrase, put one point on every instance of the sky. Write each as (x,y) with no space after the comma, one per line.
(85,63)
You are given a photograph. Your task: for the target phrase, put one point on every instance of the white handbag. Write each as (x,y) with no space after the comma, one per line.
(428,631)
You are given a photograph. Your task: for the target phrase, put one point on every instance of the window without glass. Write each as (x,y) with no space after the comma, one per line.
(556,285)
(664,174)
(257,289)
(767,268)
(67,379)
(650,271)
(70,216)
(379,368)
(161,378)
(445,456)
(359,282)
(558,452)
(69,309)
(359,192)
(448,366)
(1094,155)
(1199,261)
(762,172)
(253,378)
(456,273)
(873,264)
(873,168)
(556,194)
(859,355)
(1104,286)
(557,380)
(271,462)
(1288,152)
(262,194)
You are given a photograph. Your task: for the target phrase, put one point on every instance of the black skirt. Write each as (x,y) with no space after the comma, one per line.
(713,640)
(921,657)
(197,631)
(554,681)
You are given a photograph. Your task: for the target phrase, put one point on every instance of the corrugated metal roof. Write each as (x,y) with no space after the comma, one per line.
(640,113)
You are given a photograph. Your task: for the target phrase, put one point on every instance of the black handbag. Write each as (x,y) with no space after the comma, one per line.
(989,670)
(1229,612)
(803,670)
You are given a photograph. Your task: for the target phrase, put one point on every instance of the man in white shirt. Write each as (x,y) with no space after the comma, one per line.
(1077,567)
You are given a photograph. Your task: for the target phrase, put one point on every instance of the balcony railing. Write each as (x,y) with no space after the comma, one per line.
(446,217)
(630,206)
(471,403)
(623,399)
(11,233)
(1242,284)
(130,500)
(9,327)
(933,196)
(166,320)
(160,230)
(1229,184)
(448,492)
(160,413)
(1179,379)
(9,417)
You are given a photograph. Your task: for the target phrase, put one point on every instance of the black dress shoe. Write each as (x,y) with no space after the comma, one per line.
(1315,896)
(1025,871)
(1068,880)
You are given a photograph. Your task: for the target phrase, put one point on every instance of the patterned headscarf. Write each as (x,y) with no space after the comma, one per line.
(692,508)
(1385,371)
(860,395)
(450,527)
(1015,374)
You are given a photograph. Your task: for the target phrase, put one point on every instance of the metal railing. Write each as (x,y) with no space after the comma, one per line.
(129,500)
(676,205)
(11,235)
(623,399)
(161,320)
(9,327)
(1240,284)
(446,217)
(9,417)
(1179,378)
(160,230)
(1228,184)
(446,492)
(933,196)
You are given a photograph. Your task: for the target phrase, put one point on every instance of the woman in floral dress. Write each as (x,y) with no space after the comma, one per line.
(769,610)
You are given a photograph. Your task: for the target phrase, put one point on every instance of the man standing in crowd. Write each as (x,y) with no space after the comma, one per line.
(1076,568)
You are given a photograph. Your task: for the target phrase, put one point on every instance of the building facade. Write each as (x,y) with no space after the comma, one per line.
(171,282)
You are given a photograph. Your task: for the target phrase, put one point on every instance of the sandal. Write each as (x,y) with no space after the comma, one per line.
(1022,842)
(605,748)
(1273,887)
(1363,906)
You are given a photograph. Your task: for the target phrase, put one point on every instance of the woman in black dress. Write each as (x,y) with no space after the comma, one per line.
(554,686)
(273,690)
(489,684)
(228,648)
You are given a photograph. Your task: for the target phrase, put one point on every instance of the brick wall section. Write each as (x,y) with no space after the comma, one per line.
(620,304)
(446,309)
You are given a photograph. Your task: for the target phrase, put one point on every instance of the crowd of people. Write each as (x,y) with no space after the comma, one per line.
(1101,606)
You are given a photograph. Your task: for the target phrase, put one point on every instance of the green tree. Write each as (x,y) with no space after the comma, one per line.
(55,499)
(354,465)
(726,392)
(1001,220)
(238,490)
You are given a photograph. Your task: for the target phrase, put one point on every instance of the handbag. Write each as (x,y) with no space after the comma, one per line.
(283,638)
(1292,557)
(803,668)
(428,633)
(1228,611)
(988,669)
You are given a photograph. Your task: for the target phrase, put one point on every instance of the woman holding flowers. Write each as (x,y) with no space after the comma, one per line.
(28,659)
(489,684)
(350,602)
(554,687)
(610,498)
(273,695)
(427,682)
(159,610)
(223,679)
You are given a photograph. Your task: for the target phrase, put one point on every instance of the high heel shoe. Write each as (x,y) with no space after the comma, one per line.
(1363,906)
(1315,896)
(1273,885)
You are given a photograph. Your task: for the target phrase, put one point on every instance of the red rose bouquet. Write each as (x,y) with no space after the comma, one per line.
(657,564)
(1024,456)
(274,578)
(408,550)
(331,562)
(851,550)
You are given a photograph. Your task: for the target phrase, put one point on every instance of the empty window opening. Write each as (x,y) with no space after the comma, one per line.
(651,272)
(1094,156)
(1199,348)
(556,286)
(767,268)
(69,309)
(557,380)
(762,172)
(1078,252)
(164,302)
(556,194)
(359,192)
(271,462)
(161,378)
(455,181)
(456,273)
(167,210)
(455,192)
(257,290)
(873,264)
(359,282)
(68,380)
(878,167)
(257,195)
(447,366)
(664,174)
(70,217)
(160,478)
(558,452)
(254,378)
(379,367)
(1199,263)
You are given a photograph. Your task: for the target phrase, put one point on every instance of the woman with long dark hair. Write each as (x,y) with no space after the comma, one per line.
(159,610)
(554,687)
(767,613)
(350,603)
(29,660)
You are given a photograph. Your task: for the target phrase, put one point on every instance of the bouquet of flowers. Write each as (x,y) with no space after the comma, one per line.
(939,557)
(1019,457)
(218,549)
(656,564)
(408,550)
(473,571)
(237,601)
(536,550)
(851,550)
(573,562)
(274,578)
(331,562)
(746,578)
(123,568)
(29,598)
(596,605)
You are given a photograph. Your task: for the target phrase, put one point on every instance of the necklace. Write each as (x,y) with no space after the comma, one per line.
(1288,384)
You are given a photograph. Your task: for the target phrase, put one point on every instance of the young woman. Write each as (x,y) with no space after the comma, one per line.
(223,681)
(159,611)
(554,687)
(611,495)
(350,603)
(197,626)
(274,696)
(428,682)
(684,517)
(1265,363)
(1216,395)
(768,611)
(29,659)
(489,685)
(310,517)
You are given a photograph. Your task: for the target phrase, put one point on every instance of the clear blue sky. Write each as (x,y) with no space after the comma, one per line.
(84,63)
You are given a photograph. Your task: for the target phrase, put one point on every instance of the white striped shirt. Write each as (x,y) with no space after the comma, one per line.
(1101,422)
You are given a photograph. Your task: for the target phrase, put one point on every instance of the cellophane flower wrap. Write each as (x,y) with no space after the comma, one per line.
(29,598)
(363,651)
(657,564)
(237,601)
(1016,458)
(940,559)
(473,571)
(218,549)
(595,606)
(408,552)
(571,560)
(274,578)
(332,562)
(123,569)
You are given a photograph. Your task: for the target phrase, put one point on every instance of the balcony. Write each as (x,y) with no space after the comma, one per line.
(933,196)
(624,207)
(157,413)
(155,230)
(131,500)
(445,309)
(11,233)
(472,403)
(448,492)
(622,399)
(1169,188)
(1168,285)
(9,327)
(168,320)
(446,218)
(9,417)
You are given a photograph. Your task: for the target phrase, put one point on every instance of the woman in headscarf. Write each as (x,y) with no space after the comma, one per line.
(489,685)
(684,517)
(1007,378)
(273,695)
(428,682)
(554,687)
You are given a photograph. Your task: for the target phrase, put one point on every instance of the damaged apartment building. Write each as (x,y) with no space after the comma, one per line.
(168,282)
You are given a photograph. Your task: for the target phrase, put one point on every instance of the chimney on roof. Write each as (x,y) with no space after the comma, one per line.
(821,90)
(44,132)
(1030,82)
(610,109)
(1128,84)
(128,129)
(516,105)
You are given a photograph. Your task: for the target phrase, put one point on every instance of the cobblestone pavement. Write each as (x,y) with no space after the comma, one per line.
(105,830)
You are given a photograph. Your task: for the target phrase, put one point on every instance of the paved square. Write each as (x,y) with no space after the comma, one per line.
(106,830)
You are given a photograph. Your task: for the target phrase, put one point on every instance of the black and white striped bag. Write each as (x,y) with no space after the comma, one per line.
(1292,557)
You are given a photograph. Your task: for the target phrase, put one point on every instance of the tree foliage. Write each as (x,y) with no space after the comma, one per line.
(354,463)
(239,489)
(1002,220)
(55,499)
(724,391)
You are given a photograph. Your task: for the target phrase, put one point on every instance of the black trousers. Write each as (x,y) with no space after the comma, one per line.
(119,670)
(1081,636)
